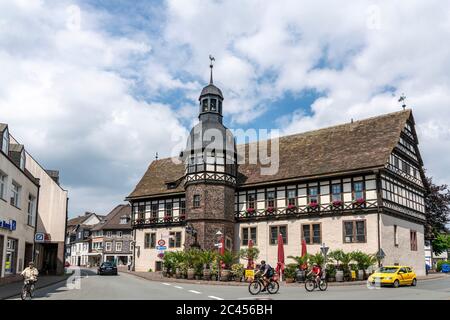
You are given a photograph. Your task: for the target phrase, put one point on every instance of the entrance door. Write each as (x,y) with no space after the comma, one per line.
(79,261)
(158,266)
(50,258)
(28,254)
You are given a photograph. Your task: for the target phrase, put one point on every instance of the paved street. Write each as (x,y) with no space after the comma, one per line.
(126,286)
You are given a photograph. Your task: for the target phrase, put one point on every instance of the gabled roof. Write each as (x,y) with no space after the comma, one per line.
(359,145)
(112,220)
(3,126)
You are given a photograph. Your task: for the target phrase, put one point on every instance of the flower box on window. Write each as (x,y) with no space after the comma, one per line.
(313,205)
(182,217)
(153,220)
(140,221)
(292,207)
(337,203)
(250,212)
(360,201)
(168,219)
(270,210)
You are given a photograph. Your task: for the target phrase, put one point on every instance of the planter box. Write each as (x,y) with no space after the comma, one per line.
(289,280)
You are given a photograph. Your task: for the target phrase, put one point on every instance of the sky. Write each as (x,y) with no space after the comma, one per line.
(94,88)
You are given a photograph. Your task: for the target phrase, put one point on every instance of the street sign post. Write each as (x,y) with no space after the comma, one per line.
(161,248)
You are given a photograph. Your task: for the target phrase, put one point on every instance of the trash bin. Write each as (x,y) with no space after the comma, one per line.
(300,276)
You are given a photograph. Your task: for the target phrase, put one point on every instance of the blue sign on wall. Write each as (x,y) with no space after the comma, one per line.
(9,225)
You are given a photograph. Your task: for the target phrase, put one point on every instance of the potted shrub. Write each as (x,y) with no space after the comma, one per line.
(330,271)
(313,205)
(237,271)
(302,264)
(337,203)
(192,261)
(227,259)
(290,272)
(207,257)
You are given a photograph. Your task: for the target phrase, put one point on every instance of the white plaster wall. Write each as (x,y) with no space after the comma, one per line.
(332,236)
(146,258)
(402,254)
(52,202)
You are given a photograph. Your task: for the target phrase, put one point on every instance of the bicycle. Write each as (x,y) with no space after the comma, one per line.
(257,284)
(28,290)
(311,284)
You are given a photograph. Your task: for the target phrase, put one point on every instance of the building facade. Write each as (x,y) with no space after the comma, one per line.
(19,192)
(78,239)
(112,238)
(356,186)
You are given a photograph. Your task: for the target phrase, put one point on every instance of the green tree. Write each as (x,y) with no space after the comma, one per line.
(437,208)
(441,243)
(301,261)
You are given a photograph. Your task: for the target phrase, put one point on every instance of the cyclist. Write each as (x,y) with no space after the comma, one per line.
(30,274)
(316,271)
(267,273)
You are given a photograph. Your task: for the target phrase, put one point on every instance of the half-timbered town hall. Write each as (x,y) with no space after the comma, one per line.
(354,186)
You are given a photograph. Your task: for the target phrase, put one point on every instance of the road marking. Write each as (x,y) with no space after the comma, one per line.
(166,284)
(193,291)
(217,298)
(178,287)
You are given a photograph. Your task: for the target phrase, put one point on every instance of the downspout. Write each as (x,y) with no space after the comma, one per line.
(35,223)
(65,233)
(379,201)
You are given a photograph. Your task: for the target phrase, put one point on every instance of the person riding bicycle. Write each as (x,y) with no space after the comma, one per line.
(316,271)
(267,273)
(30,273)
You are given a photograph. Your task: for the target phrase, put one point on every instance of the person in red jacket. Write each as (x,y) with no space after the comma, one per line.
(316,271)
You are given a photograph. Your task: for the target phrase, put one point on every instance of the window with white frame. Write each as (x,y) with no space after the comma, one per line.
(5,143)
(118,246)
(15,194)
(119,234)
(22,160)
(3,185)
(109,234)
(31,209)
(108,246)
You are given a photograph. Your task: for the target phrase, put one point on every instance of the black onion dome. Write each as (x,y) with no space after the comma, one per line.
(211,89)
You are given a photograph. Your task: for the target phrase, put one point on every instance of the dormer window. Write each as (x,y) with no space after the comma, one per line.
(22,160)
(213,105)
(205,105)
(5,141)
(220,106)
(124,220)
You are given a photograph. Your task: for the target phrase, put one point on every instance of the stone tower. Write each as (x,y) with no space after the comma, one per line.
(210,177)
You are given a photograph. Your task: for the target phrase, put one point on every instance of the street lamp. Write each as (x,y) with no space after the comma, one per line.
(219,236)
(324,249)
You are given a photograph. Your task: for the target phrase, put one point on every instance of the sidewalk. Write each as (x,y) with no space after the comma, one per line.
(13,289)
(157,276)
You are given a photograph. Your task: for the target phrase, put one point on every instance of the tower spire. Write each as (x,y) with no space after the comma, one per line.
(211,58)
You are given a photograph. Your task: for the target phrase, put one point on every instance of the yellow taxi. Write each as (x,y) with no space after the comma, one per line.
(393,275)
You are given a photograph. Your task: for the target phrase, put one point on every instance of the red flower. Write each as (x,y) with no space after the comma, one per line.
(313,205)
(337,203)
(291,206)
(270,209)
(360,201)
(250,210)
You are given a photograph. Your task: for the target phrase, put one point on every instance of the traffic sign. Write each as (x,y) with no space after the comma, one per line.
(39,237)
(161,248)
(161,255)
(161,242)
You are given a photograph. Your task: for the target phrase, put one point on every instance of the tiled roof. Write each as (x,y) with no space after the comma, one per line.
(112,220)
(343,148)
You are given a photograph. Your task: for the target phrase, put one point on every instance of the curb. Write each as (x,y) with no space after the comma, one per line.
(42,287)
(235,284)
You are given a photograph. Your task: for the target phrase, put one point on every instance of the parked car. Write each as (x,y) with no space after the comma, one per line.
(394,276)
(107,268)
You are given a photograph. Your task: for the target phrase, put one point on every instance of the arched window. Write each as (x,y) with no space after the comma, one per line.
(213,106)
(220,106)
(205,105)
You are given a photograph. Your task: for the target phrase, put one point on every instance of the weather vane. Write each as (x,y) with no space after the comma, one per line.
(403,99)
(211,58)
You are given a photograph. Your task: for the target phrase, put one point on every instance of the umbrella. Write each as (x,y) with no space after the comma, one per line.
(304,266)
(280,263)
(250,261)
